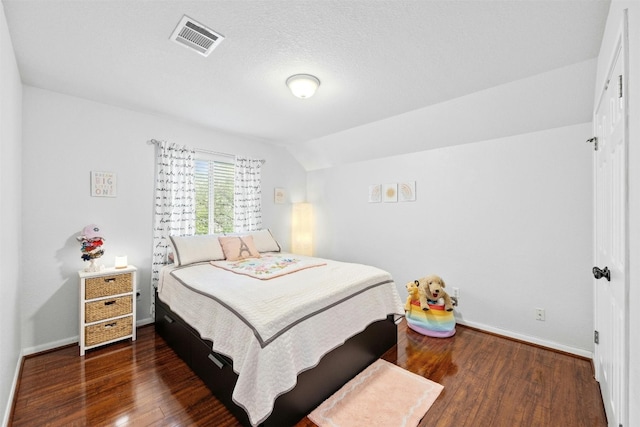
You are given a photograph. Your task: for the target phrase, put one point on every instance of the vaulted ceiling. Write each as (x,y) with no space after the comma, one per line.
(375,58)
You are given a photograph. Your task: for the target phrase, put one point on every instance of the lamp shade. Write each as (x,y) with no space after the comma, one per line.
(302,229)
(303,85)
(121,261)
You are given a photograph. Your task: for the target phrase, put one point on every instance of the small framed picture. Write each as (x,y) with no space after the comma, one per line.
(279,196)
(390,192)
(103,184)
(407,191)
(374,193)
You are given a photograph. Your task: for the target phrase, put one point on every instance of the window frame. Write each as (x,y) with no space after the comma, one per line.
(211,158)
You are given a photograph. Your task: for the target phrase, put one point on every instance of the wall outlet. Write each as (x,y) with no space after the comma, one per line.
(455,292)
(540,314)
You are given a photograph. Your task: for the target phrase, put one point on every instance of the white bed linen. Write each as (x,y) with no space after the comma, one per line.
(275,329)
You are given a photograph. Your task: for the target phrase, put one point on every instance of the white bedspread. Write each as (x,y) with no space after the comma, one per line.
(275,329)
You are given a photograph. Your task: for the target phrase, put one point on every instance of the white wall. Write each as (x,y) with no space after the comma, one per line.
(549,100)
(507,221)
(633,91)
(10,223)
(64,139)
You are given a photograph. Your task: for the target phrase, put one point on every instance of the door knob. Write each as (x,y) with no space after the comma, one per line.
(599,274)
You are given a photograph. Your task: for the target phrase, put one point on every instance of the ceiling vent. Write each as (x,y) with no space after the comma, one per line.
(196,36)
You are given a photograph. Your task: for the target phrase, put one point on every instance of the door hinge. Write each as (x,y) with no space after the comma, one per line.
(595,142)
(620,86)
(596,337)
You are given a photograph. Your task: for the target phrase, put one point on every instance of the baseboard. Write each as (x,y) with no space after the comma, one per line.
(144,322)
(50,345)
(71,340)
(12,392)
(533,340)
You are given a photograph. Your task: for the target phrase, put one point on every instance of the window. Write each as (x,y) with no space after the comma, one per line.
(214,195)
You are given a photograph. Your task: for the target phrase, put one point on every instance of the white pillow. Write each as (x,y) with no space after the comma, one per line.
(190,249)
(263,240)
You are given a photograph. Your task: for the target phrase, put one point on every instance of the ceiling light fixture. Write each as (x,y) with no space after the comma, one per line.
(303,85)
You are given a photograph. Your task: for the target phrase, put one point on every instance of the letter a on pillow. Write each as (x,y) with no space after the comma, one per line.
(238,247)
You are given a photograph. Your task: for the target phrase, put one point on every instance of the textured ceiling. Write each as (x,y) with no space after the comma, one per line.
(375,58)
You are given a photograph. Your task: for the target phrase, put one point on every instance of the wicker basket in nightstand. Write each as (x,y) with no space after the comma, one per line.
(107,306)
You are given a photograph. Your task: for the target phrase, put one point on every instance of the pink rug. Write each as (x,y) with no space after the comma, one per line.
(382,395)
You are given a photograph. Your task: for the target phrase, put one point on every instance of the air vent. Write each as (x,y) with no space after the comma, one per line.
(196,36)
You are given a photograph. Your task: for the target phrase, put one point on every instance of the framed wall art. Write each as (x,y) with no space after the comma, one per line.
(407,191)
(390,193)
(103,184)
(279,195)
(375,193)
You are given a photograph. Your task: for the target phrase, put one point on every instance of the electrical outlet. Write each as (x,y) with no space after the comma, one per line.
(455,292)
(540,314)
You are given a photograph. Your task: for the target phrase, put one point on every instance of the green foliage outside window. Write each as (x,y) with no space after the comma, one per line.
(214,196)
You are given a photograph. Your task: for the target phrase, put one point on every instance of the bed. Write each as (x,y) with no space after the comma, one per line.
(272,334)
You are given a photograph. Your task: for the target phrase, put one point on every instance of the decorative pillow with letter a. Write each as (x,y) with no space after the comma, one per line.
(238,247)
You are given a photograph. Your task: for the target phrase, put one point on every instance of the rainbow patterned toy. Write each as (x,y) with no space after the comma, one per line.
(435,322)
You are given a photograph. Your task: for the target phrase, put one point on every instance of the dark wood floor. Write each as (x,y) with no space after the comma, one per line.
(488,381)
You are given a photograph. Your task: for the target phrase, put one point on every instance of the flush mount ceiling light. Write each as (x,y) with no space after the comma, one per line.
(303,85)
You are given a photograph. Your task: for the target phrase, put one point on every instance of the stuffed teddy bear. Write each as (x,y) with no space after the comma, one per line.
(431,289)
(412,289)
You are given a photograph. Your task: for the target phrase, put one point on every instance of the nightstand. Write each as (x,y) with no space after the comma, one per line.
(107,306)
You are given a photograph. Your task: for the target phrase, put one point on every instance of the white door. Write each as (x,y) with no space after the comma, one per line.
(610,281)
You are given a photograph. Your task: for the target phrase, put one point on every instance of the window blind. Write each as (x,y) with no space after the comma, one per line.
(214,182)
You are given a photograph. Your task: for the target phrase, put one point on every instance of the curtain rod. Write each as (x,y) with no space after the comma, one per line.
(202,150)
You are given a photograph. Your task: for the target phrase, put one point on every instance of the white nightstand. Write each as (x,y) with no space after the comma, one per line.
(107,306)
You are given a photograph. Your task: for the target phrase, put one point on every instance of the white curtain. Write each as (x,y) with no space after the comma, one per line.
(247,202)
(174,201)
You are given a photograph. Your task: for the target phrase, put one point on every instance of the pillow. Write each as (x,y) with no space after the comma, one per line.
(190,249)
(238,247)
(263,239)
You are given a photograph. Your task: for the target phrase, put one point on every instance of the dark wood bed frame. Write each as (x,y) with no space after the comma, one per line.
(314,385)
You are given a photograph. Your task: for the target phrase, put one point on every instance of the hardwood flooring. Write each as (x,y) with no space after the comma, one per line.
(488,381)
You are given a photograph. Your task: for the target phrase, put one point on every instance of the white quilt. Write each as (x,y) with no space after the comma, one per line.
(277,328)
